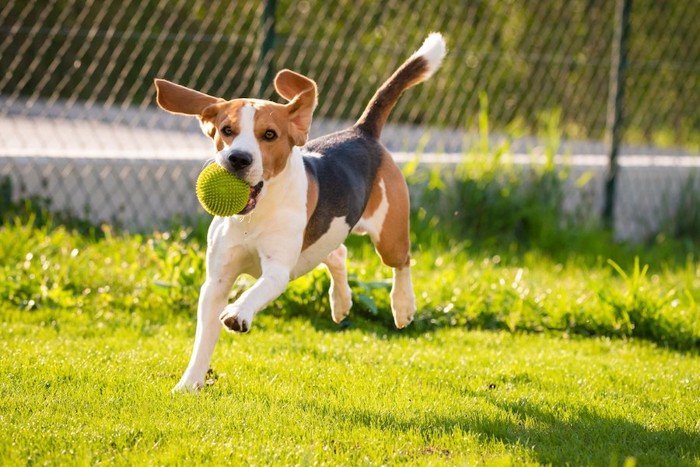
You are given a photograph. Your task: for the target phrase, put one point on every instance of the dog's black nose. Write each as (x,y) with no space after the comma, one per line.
(240,159)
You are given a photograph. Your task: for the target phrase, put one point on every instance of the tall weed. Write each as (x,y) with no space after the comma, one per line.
(487,198)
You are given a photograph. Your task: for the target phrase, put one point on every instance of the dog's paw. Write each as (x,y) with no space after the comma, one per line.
(236,320)
(403,307)
(341,301)
(403,321)
(339,315)
(186,386)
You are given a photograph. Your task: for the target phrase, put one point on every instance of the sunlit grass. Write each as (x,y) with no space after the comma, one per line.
(96,330)
(292,393)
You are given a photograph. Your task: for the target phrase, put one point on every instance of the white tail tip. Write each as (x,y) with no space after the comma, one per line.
(433,51)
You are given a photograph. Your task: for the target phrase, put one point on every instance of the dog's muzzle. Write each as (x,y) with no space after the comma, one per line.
(239,160)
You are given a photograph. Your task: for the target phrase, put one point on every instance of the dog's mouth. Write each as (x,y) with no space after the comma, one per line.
(252,199)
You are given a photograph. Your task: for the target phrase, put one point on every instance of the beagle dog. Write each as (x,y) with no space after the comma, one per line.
(305,198)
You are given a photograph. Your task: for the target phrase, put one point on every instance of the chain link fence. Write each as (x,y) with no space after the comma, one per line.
(78,124)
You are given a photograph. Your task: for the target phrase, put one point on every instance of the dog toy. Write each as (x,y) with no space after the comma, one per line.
(220,192)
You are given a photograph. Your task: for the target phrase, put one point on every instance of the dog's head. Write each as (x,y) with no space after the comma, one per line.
(254,138)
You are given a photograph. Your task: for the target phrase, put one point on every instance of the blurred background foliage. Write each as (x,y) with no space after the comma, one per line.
(528,56)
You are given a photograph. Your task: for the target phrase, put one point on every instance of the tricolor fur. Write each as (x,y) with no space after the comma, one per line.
(305,198)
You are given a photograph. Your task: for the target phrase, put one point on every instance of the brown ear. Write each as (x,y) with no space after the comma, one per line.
(182,100)
(301,91)
(290,84)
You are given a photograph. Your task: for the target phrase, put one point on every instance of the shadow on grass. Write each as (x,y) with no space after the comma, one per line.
(584,438)
(382,325)
(588,437)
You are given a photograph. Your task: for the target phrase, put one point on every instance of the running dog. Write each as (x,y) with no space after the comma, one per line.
(305,199)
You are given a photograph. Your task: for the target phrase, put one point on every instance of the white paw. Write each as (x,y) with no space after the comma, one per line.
(341,301)
(187,386)
(235,319)
(403,307)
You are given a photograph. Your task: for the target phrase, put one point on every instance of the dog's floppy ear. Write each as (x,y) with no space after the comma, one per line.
(290,84)
(182,100)
(301,92)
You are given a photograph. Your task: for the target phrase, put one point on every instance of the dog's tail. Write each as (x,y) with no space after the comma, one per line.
(419,67)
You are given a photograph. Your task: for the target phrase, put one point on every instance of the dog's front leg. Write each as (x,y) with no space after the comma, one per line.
(224,264)
(212,299)
(273,281)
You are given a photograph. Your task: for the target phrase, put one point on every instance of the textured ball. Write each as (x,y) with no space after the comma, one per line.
(220,192)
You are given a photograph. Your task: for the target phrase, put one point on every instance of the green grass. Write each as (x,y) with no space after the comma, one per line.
(96,328)
(293,393)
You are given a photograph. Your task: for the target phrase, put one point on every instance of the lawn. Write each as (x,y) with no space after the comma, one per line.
(293,393)
(518,356)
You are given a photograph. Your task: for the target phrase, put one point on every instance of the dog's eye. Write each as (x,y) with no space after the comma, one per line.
(270,135)
(227,131)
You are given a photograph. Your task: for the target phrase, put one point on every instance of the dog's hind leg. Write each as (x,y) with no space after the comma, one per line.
(387,221)
(340,294)
(403,300)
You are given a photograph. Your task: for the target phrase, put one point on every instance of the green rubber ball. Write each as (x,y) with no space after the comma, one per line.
(220,192)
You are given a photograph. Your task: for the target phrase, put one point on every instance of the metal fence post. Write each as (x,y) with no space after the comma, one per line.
(266,48)
(616,91)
